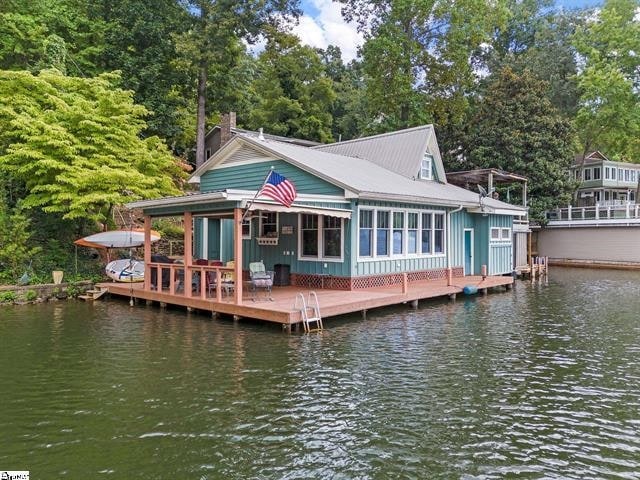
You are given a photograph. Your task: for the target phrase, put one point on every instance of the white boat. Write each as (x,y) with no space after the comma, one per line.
(125,270)
(118,239)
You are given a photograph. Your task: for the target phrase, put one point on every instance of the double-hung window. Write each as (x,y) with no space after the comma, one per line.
(320,237)
(412,233)
(438,233)
(366,233)
(426,166)
(596,173)
(427,230)
(268,224)
(587,174)
(398,233)
(382,234)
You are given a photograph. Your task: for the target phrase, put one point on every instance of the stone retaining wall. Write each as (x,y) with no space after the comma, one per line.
(43,292)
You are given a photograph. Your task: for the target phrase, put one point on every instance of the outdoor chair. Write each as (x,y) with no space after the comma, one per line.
(260,278)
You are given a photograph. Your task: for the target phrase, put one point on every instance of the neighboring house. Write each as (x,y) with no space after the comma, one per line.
(367,210)
(604,182)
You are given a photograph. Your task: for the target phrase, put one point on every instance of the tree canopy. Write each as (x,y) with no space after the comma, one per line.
(75,144)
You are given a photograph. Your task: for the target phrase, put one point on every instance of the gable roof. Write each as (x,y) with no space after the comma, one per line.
(359,178)
(400,151)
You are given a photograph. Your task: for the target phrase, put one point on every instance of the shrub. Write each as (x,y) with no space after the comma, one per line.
(30,295)
(8,296)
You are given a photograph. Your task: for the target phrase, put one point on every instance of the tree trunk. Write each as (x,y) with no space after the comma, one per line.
(200,122)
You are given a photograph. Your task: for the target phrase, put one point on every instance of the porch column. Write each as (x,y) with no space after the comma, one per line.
(237,253)
(147,252)
(188,252)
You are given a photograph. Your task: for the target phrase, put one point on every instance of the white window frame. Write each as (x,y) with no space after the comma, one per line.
(599,170)
(247,221)
(321,257)
(426,167)
(261,232)
(587,174)
(405,236)
(498,234)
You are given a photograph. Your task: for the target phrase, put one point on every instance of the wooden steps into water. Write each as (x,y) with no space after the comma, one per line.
(93,294)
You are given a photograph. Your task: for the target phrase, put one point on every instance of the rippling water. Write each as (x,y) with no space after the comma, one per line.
(541,382)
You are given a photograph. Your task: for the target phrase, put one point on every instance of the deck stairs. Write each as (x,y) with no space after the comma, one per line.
(93,294)
(309,309)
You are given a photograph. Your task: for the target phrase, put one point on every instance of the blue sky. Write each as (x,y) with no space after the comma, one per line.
(322,25)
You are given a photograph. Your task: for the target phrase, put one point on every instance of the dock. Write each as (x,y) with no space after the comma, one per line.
(281,309)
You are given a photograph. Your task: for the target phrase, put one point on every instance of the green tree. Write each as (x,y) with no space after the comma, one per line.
(517,129)
(16,250)
(609,82)
(212,42)
(416,56)
(75,144)
(294,95)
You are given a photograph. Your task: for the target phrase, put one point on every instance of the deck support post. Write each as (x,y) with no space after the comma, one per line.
(485,291)
(147,253)
(414,304)
(237,251)
(483,271)
(149,303)
(405,283)
(214,314)
(286,327)
(163,305)
(188,253)
(364,314)
(452,296)
(449,276)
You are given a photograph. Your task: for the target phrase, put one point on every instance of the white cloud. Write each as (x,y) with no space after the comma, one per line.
(329,28)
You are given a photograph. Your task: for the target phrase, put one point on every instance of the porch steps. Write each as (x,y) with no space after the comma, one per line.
(94,294)
(309,312)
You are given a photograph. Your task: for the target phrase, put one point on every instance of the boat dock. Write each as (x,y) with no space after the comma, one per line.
(281,308)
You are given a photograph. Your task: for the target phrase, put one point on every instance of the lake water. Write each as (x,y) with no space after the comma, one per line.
(539,382)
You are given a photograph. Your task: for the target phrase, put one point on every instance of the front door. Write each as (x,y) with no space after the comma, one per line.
(468,251)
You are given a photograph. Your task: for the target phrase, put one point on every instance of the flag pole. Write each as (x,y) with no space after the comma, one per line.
(266,179)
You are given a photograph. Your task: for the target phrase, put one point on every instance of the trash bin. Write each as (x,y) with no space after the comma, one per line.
(282,273)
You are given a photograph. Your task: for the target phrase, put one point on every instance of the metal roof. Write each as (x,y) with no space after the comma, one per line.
(365,179)
(400,151)
(481,175)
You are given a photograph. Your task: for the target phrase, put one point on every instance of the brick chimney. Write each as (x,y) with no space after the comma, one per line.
(227,123)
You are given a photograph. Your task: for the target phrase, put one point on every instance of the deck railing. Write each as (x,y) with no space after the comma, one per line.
(626,210)
(170,277)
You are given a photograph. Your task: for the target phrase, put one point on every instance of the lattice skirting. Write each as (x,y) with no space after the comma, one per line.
(319,282)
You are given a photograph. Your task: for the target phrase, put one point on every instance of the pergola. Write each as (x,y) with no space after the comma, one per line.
(489,177)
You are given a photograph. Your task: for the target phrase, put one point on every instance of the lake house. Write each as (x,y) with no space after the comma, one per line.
(371,212)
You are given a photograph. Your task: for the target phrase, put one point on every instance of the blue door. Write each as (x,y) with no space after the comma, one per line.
(468,252)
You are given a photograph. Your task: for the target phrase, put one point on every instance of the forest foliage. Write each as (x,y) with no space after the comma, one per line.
(104,101)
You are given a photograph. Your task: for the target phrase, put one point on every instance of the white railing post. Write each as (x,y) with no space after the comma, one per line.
(636,214)
(608,212)
(583,213)
(597,211)
(569,212)
(627,210)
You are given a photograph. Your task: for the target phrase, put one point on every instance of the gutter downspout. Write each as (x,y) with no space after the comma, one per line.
(449,271)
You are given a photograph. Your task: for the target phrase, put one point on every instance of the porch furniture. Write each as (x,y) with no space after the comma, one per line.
(260,278)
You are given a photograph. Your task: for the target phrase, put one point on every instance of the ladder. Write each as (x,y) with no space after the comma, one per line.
(309,312)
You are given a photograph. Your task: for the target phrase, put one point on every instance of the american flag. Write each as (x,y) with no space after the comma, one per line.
(280,189)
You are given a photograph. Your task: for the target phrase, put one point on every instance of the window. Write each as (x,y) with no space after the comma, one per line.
(426,166)
(633,175)
(438,232)
(412,232)
(366,233)
(620,174)
(331,237)
(382,234)
(500,234)
(309,229)
(576,174)
(426,233)
(627,175)
(607,173)
(246,229)
(596,173)
(320,237)
(587,174)
(398,233)
(268,224)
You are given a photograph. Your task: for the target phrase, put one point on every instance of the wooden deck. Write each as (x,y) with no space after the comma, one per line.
(332,302)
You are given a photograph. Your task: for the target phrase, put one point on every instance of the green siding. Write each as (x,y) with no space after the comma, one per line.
(251,177)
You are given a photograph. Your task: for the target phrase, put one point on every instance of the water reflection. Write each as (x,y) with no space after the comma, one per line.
(541,382)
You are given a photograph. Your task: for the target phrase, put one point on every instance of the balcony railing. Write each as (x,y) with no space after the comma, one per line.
(621,211)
